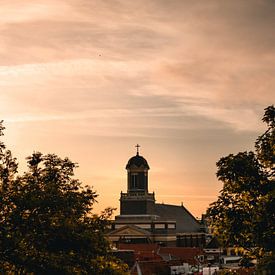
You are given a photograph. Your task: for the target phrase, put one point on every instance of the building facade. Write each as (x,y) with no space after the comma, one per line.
(143,220)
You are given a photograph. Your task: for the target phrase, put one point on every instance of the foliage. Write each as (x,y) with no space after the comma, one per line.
(46,222)
(244,214)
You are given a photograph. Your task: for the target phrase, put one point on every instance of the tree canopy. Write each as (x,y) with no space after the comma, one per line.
(46,220)
(244,214)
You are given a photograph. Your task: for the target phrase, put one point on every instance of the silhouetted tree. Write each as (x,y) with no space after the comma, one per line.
(46,223)
(244,214)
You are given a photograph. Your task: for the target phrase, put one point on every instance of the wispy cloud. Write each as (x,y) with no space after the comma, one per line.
(174,70)
(82,85)
(15,12)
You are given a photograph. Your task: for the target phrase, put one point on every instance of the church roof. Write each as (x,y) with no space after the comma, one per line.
(137,161)
(185,221)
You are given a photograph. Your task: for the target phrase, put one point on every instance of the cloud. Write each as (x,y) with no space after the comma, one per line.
(74,95)
(211,61)
(187,79)
(16,12)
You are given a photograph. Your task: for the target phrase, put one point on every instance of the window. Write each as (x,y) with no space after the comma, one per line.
(171,226)
(145,226)
(134,181)
(159,226)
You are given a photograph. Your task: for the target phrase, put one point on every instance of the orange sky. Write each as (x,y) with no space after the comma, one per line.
(88,79)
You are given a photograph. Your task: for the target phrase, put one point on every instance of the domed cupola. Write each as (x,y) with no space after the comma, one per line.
(137,162)
(137,200)
(137,168)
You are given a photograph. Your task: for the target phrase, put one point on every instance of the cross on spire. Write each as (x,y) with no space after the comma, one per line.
(137,146)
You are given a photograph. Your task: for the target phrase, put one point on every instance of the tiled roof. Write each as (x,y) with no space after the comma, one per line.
(186,222)
(143,252)
(186,254)
(138,247)
(154,252)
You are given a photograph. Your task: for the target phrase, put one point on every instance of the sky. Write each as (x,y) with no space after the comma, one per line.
(89,79)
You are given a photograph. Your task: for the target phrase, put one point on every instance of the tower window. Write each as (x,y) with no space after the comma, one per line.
(134,181)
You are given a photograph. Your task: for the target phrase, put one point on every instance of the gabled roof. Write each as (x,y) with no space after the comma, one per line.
(129,230)
(186,222)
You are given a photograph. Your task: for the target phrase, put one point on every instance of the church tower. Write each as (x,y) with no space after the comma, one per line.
(137,200)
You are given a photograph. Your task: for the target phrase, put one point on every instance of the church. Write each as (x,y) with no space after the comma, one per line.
(143,220)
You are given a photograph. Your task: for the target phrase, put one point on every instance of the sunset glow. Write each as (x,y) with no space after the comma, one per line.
(187,80)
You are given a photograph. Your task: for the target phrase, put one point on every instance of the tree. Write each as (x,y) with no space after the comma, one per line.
(244,214)
(47,225)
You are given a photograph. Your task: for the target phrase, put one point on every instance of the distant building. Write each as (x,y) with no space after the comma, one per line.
(142,220)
